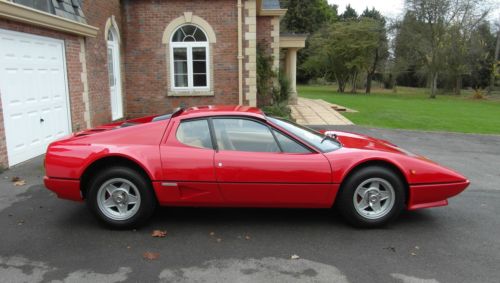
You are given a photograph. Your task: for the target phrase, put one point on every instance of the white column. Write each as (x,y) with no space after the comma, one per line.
(291,72)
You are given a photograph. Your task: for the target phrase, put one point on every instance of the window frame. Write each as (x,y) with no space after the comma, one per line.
(189,49)
(305,142)
(292,139)
(264,123)
(210,131)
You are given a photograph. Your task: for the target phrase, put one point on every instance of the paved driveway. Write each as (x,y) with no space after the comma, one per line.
(44,239)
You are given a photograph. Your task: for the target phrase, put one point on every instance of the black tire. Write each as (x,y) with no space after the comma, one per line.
(147,198)
(345,200)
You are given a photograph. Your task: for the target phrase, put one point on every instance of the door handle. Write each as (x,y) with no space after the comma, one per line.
(42,120)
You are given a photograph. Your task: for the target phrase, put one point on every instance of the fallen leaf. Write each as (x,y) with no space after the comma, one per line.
(212,234)
(294,257)
(128,247)
(219,240)
(417,247)
(20,183)
(15,179)
(413,254)
(392,249)
(247,237)
(150,256)
(159,234)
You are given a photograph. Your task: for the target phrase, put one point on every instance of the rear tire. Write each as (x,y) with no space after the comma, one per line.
(371,197)
(121,198)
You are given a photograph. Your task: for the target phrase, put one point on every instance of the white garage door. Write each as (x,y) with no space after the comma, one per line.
(34,93)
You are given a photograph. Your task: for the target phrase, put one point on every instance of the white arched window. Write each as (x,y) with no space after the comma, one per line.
(189,59)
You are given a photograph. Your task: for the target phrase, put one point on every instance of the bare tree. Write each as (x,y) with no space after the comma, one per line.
(434,20)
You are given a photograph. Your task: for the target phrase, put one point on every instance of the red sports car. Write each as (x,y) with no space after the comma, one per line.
(235,156)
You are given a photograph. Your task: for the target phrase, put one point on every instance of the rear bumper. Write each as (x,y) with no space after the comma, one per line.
(64,188)
(434,195)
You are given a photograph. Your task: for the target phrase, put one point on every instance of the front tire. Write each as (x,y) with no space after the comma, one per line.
(372,197)
(121,198)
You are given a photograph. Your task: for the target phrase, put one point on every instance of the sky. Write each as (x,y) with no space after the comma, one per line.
(393,8)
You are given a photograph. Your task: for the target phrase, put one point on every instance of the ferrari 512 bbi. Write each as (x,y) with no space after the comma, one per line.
(235,156)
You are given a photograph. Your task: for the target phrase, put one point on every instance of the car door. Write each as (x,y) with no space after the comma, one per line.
(187,158)
(257,165)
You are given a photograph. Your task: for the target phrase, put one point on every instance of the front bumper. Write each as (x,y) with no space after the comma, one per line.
(434,195)
(64,188)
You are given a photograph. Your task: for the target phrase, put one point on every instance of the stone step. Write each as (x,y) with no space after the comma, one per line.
(317,112)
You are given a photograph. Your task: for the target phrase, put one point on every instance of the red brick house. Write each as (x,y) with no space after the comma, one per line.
(67,65)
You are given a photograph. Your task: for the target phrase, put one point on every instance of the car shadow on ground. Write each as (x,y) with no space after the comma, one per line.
(198,217)
(268,216)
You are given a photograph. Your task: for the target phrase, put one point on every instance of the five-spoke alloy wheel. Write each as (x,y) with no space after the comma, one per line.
(121,197)
(374,198)
(118,199)
(371,197)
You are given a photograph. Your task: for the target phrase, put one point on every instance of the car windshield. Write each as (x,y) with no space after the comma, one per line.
(322,142)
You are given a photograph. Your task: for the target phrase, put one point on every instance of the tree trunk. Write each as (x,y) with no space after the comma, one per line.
(434,79)
(369,77)
(371,72)
(496,59)
(341,84)
(354,81)
(458,85)
(341,87)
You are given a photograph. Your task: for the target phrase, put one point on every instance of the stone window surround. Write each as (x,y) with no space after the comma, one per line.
(111,23)
(189,18)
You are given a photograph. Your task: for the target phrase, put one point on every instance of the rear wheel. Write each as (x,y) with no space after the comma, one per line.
(372,197)
(121,197)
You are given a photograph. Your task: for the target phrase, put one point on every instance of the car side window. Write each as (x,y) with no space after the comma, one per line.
(288,145)
(195,133)
(244,135)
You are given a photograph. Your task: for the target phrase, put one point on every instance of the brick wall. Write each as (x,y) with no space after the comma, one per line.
(146,70)
(74,69)
(264,29)
(97,13)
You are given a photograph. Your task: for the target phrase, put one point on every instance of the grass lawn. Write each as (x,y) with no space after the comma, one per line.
(411,108)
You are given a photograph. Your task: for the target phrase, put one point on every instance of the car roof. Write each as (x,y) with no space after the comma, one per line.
(221,110)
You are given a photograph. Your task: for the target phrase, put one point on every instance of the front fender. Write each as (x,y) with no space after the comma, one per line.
(415,169)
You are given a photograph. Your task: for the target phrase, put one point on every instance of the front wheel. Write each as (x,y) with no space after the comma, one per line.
(372,197)
(121,198)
